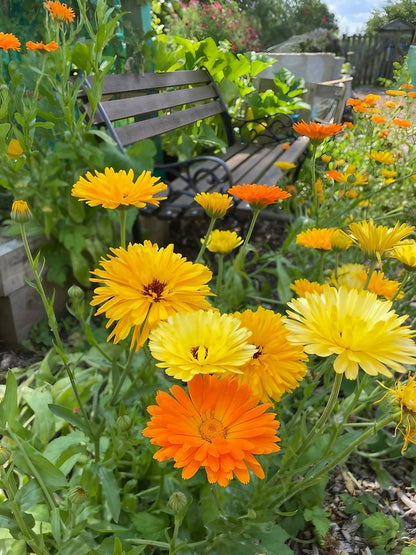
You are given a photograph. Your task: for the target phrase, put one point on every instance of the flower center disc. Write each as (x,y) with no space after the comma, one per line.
(211,428)
(154,290)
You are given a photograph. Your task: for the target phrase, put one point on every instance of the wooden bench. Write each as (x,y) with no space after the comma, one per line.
(155,103)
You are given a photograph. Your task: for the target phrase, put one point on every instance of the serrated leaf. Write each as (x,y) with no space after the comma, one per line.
(319,519)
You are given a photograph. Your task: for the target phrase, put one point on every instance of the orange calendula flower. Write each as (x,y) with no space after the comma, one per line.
(9,42)
(382,157)
(60,13)
(317,132)
(218,426)
(412,94)
(384,133)
(407,86)
(144,284)
(277,366)
(214,204)
(381,286)
(349,124)
(303,286)
(353,102)
(371,99)
(378,119)
(401,122)
(334,174)
(113,189)
(258,196)
(361,108)
(316,238)
(285,146)
(40,47)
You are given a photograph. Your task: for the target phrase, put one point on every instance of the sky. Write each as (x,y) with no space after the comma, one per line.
(353,14)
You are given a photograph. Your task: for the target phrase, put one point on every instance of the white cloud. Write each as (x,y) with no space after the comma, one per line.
(352,15)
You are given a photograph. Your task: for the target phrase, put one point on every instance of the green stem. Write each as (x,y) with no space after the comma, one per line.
(122,212)
(30,536)
(53,325)
(315,202)
(123,376)
(370,272)
(322,254)
(220,274)
(327,412)
(206,239)
(401,286)
(172,546)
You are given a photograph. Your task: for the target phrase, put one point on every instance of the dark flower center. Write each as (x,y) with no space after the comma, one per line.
(195,351)
(258,352)
(154,290)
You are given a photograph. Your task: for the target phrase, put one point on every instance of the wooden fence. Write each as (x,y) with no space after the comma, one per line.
(372,56)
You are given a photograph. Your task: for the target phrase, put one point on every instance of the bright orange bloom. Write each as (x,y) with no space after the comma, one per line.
(402,122)
(371,99)
(285,146)
(412,94)
(258,196)
(333,174)
(39,46)
(378,119)
(383,134)
(316,238)
(219,425)
(303,286)
(317,132)
(349,124)
(9,42)
(60,12)
(362,108)
(407,86)
(353,102)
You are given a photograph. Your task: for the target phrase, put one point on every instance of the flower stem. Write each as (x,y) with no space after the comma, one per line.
(122,213)
(122,377)
(206,239)
(220,274)
(370,273)
(314,192)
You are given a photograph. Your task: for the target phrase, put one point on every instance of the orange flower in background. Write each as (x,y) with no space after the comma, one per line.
(60,13)
(285,146)
(9,42)
(40,47)
(384,133)
(412,94)
(371,99)
(218,426)
(334,174)
(353,102)
(303,286)
(316,238)
(349,124)
(258,196)
(317,132)
(407,86)
(402,122)
(381,286)
(362,108)
(378,119)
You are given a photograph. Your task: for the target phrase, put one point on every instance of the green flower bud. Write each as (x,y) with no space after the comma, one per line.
(123,423)
(177,502)
(76,294)
(20,212)
(77,495)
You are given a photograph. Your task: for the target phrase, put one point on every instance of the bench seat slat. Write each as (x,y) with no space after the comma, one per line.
(137,106)
(140,130)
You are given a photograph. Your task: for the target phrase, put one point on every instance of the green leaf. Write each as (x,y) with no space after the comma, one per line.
(51,475)
(111,491)
(4,129)
(150,526)
(209,507)
(319,519)
(76,209)
(272,539)
(70,416)
(81,268)
(38,400)
(29,495)
(9,406)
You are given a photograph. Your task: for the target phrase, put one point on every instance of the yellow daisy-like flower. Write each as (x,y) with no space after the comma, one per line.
(285,166)
(361,330)
(382,157)
(303,286)
(20,212)
(214,204)
(113,189)
(326,158)
(406,254)
(381,286)
(144,284)
(375,240)
(316,238)
(201,342)
(223,242)
(388,174)
(277,366)
(340,241)
(404,395)
(360,179)
(348,276)
(14,149)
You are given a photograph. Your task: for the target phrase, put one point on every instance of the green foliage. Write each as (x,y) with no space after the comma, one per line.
(393,9)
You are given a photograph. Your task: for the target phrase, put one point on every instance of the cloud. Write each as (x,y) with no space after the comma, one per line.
(352,15)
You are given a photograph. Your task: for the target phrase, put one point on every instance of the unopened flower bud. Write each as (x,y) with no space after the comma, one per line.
(177,502)
(20,212)
(77,495)
(351,178)
(251,514)
(123,423)
(76,294)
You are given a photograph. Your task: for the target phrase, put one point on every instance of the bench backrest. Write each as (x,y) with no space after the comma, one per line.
(154,103)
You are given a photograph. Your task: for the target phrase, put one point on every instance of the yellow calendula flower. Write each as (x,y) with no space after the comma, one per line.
(382,157)
(361,330)
(14,149)
(380,285)
(388,174)
(316,238)
(348,276)
(118,189)
(406,254)
(375,240)
(360,179)
(340,241)
(214,204)
(326,158)
(404,395)
(201,342)
(319,186)
(144,284)
(20,212)
(223,241)
(303,286)
(277,366)
(285,166)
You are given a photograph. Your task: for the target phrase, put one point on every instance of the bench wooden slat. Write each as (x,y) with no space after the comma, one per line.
(140,130)
(137,106)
